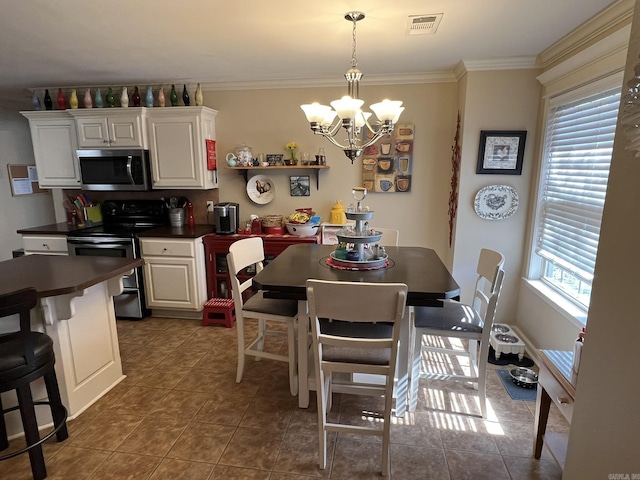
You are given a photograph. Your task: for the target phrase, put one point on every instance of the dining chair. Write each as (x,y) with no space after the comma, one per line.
(355,329)
(26,356)
(471,323)
(248,254)
(389,236)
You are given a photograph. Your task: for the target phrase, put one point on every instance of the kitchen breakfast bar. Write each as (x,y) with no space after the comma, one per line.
(76,311)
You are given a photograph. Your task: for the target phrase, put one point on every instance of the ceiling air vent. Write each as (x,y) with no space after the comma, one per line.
(423,24)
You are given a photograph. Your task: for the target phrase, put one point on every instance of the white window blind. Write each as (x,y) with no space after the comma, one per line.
(577,155)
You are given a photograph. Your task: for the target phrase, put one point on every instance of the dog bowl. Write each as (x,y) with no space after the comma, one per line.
(524,377)
(499,328)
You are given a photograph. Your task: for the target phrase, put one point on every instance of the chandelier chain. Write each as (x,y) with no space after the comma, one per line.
(354,59)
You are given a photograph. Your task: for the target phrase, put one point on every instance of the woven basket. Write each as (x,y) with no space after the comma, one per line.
(272,221)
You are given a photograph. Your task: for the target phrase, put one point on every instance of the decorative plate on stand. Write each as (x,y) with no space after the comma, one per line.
(260,189)
(496,202)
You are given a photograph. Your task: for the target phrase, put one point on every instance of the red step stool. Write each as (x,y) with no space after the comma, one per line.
(219,310)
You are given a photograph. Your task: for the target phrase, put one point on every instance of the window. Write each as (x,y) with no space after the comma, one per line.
(576,157)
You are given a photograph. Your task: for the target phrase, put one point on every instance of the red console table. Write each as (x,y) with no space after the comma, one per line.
(216,248)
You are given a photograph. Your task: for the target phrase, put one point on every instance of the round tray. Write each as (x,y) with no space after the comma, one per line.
(357,264)
(359,238)
(524,377)
(359,215)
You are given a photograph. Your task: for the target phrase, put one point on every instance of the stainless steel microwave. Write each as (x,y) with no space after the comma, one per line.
(115,169)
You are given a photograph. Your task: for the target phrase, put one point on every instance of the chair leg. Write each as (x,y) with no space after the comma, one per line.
(293,359)
(482,378)
(262,327)
(241,354)
(30,425)
(4,439)
(57,408)
(321,401)
(415,371)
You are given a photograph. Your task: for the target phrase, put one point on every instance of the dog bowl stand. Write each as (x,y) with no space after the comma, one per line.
(501,347)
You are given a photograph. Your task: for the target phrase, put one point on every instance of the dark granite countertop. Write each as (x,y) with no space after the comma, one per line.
(165,231)
(53,275)
(54,229)
(177,232)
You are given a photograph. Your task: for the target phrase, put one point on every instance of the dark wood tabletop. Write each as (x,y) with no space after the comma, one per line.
(420,268)
(54,275)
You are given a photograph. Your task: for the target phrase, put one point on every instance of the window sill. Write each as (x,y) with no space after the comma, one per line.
(564,307)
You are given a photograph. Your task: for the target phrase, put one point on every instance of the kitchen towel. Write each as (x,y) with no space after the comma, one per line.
(514,391)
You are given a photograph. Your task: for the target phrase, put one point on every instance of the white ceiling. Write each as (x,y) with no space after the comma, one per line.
(232,44)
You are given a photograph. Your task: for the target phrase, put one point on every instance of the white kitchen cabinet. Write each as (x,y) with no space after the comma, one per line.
(111,127)
(177,146)
(45,244)
(174,274)
(54,139)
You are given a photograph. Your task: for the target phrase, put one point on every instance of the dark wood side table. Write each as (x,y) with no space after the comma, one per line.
(554,385)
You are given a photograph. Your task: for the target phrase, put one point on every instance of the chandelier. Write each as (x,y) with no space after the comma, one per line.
(360,132)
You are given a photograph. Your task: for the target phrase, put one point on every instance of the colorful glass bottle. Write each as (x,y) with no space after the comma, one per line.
(73,99)
(149,97)
(135,98)
(62,103)
(161,99)
(199,97)
(88,103)
(111,99)
(185,96)
(174,96)
(98,102)
(48,104)
(35,101)
(124,97)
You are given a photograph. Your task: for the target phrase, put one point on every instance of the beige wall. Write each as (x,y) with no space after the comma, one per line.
(15,140)
(495,100)
(267,119)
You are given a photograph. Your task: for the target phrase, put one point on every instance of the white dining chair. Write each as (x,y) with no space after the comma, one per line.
(249,253)
(389,238)
(471,323)
(355,329)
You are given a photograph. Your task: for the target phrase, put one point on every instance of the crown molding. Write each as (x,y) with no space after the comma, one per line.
(507,63)
(617,42)
(615,16)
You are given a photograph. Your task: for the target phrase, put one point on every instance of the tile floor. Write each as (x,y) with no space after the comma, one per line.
(180,415)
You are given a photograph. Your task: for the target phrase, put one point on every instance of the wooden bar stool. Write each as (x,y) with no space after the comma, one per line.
(26,356)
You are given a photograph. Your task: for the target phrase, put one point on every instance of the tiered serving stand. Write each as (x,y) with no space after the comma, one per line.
(359,236)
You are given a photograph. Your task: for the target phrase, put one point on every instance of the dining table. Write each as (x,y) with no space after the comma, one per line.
(428,280)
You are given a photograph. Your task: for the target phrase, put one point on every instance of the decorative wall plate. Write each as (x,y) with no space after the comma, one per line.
(261,189)
(496,202)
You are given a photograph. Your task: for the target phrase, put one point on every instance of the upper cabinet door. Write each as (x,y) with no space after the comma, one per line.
(111,128)
(54,139)
(177,147)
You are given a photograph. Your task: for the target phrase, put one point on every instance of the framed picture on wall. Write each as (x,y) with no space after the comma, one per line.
(501,152)
(300,186)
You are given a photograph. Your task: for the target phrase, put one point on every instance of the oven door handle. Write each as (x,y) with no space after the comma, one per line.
(111,243)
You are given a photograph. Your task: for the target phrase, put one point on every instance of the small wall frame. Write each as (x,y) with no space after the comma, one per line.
(300,186)
(501,152)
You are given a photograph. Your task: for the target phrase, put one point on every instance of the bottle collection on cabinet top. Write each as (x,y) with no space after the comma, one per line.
(111,99)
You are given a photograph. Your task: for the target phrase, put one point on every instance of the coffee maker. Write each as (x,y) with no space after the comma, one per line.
(227,217)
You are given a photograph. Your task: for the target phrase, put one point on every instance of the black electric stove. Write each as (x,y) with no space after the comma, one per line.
(116,237)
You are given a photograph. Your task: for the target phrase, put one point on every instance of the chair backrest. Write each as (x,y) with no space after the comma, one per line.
(248,252)
(358,303)
(488,285)
(21,302)
(389,236)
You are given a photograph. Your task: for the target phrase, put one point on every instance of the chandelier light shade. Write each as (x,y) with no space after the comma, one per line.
(360,131)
